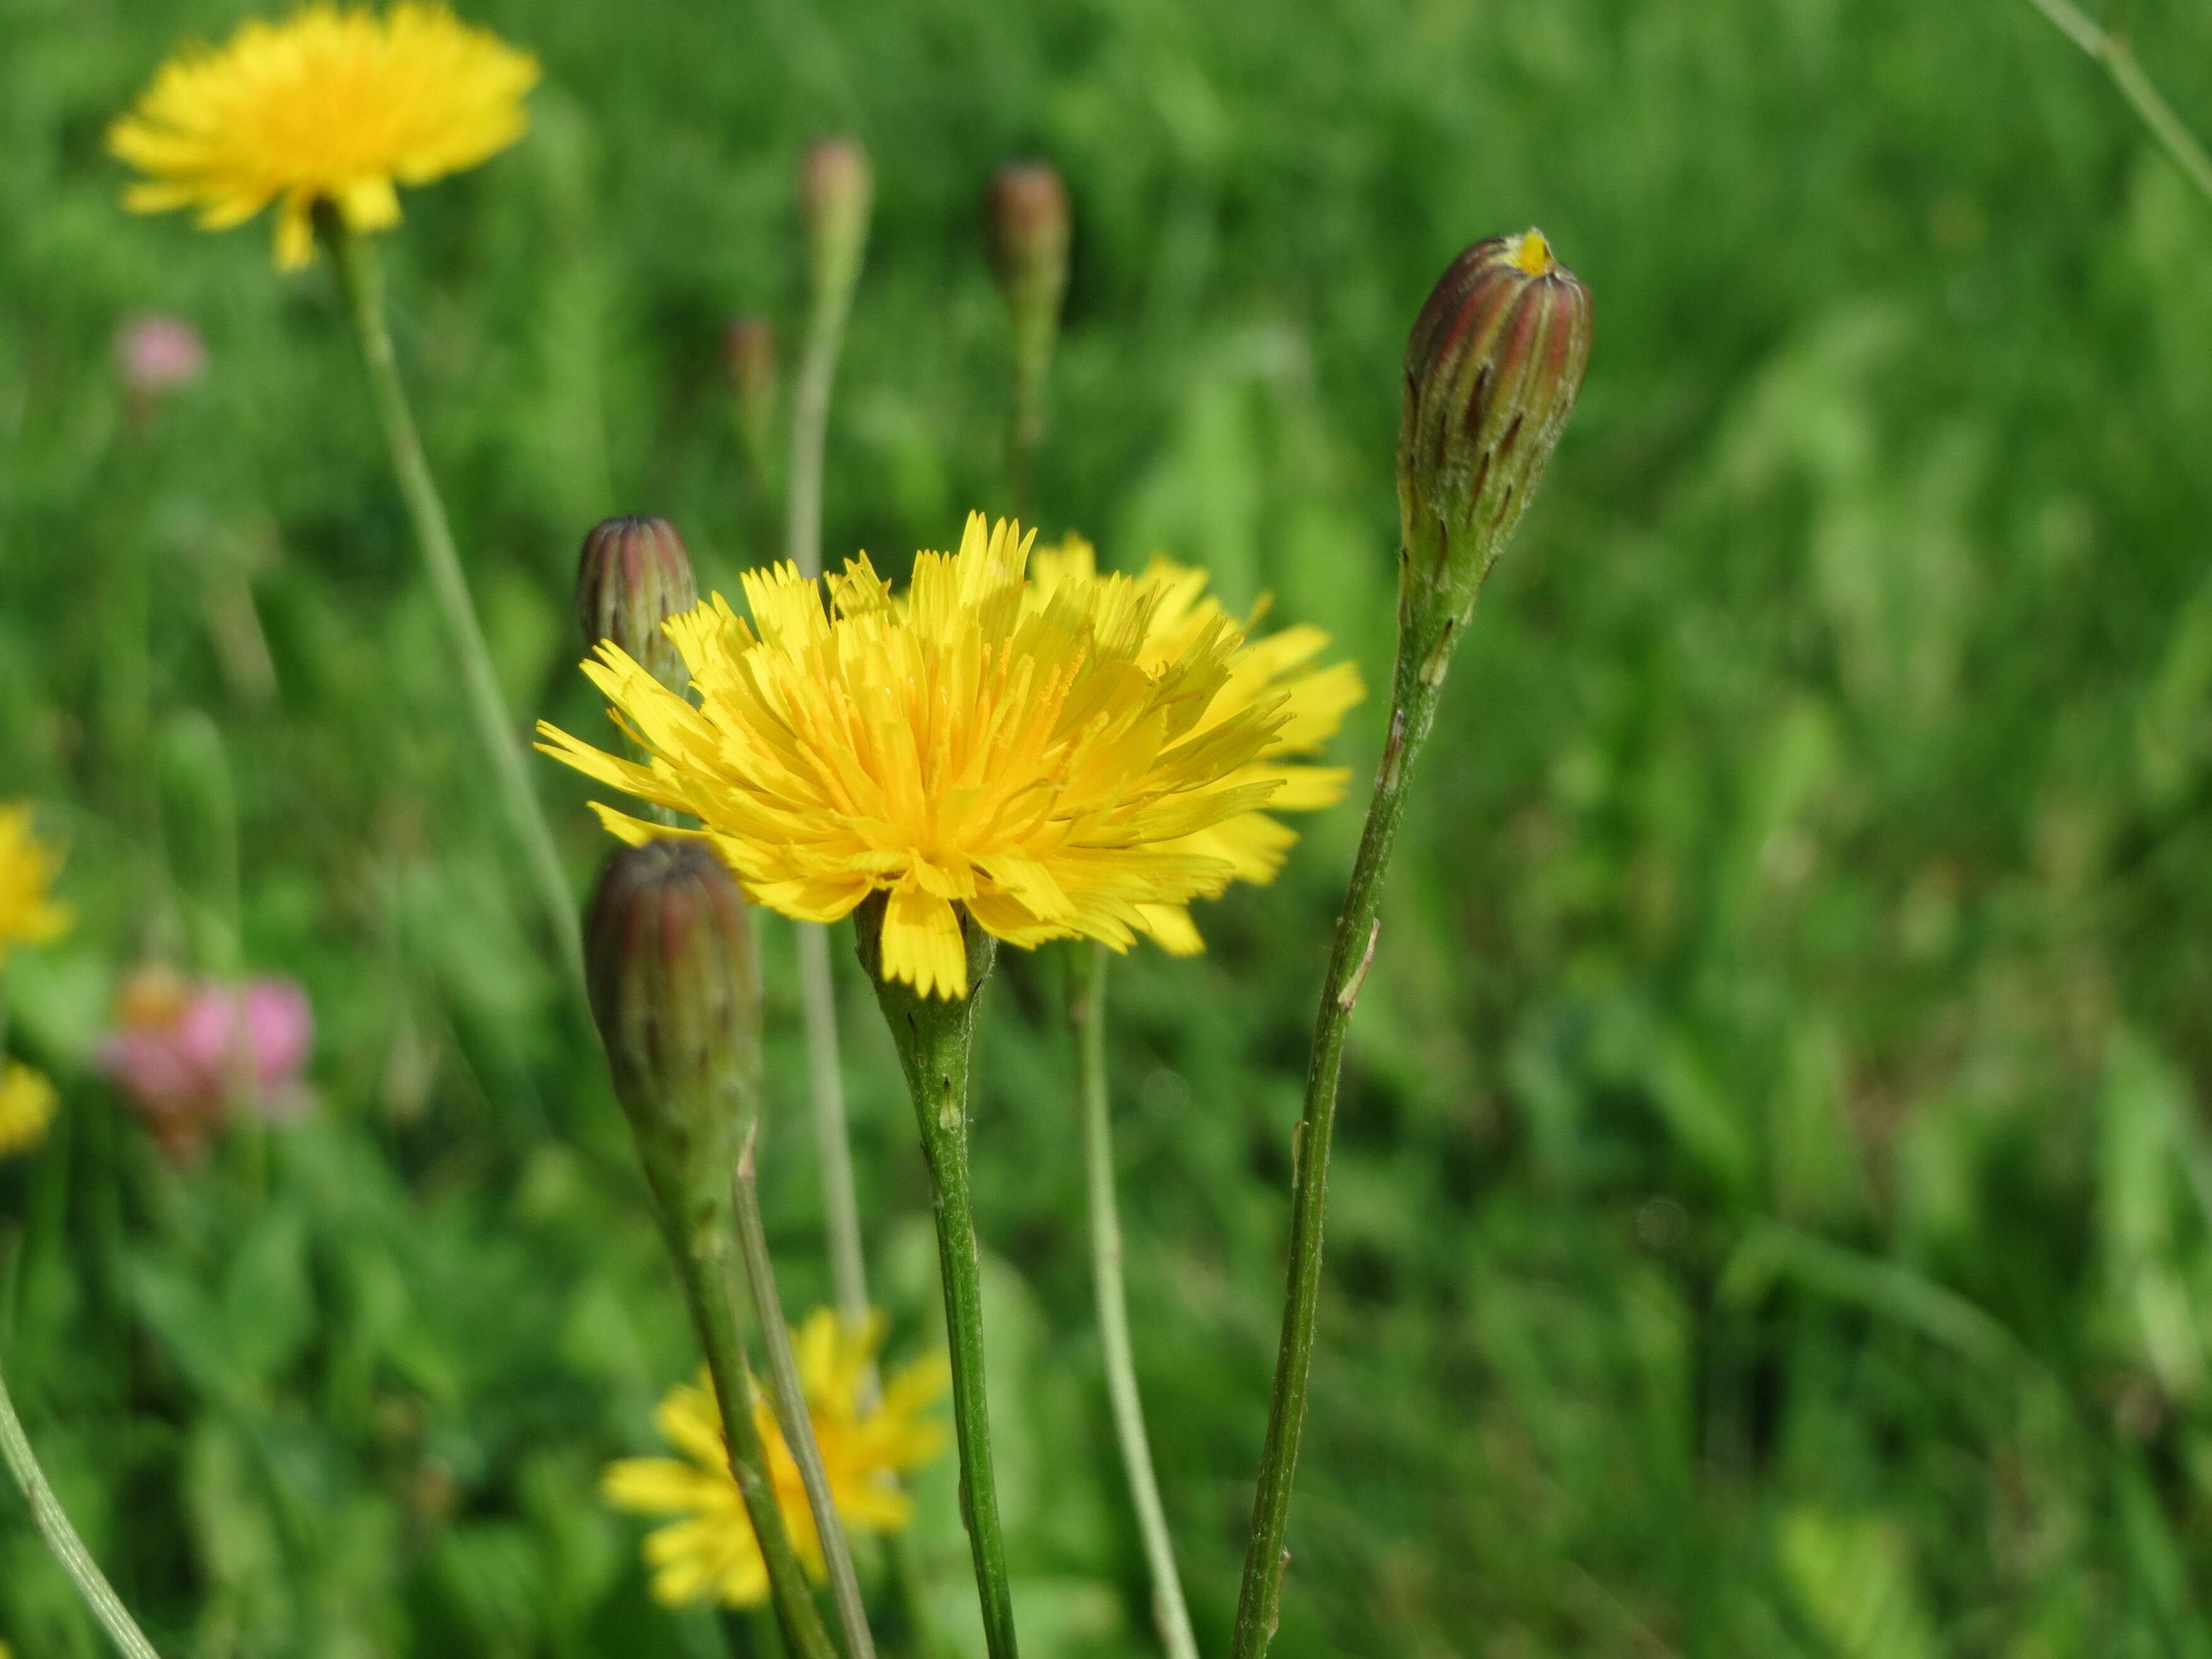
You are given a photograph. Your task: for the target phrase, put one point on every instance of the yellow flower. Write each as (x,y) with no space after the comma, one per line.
(971,746)
(328,105)
(27,1108)
(28,915)
(1274,671)
(712,1553)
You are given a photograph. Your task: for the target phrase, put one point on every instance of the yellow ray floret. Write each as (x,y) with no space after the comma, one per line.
(328,105)
(28,915)
(1275,670)
(27,1102)
(711,1554)
(973,747)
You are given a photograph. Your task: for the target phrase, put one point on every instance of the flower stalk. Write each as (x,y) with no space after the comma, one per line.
(675,993)
(61,1537)
(936,1038)
(788,1391)
(1086,1019)
(362,278)
(836,191)
(1493,367)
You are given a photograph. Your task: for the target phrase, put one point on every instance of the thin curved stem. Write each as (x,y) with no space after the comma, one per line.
(1086,1019)
(2119,61)
(788,1390)
(936,1039)
(53,1524)
(362,280)
(1423,643)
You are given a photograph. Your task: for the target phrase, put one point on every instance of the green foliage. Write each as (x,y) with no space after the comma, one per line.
(1774,1208)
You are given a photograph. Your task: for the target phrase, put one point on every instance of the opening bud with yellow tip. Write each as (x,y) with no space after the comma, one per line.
(675,991)
(837,188)
(1492,368)
(632,576)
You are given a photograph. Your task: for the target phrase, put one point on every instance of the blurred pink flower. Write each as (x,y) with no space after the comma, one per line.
(186,1055)
(157,354)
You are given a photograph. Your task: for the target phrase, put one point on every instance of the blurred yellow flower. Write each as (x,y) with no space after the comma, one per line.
(1275,671)
(968,746)
(328,105)
(711,1553)
(26,1109)
(28,915)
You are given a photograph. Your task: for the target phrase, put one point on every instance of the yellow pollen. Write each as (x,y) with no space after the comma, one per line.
(1534,254)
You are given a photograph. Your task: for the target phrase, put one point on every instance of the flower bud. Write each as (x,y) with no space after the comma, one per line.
(1492,370)
(748,355)
(632,574)
(1029,250)
(835,189)
(675,991)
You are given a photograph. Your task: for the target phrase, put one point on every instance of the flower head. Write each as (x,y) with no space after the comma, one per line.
(28,915)
(1275,671)
(157,354)
(970,746)
(711,1552)
(27,1108)
(328,105)
(185,1055)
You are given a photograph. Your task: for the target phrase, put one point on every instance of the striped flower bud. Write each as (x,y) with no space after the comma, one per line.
(633,575)
(1492,367)
(836,190)
(675,991)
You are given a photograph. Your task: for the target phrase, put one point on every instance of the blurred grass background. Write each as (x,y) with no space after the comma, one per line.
(1772,1213)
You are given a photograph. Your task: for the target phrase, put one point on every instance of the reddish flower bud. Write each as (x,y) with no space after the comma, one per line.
(675,991)
(1493,369)
(633,575)
(749,354)
(836,189)
(1029,243)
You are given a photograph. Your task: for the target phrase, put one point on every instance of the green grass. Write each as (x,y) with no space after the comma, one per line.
(1772,1211)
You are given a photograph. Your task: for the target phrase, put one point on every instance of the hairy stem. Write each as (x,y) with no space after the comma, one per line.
(2113,50)
(705,1260)
(1086,1018)
(1424,645)
(936,1040)
(789,1392)
(53,1524)
(362,280)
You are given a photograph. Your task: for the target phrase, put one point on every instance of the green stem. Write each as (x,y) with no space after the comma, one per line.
(362,280)
(841,1203)
(1086,1017)
(53,1524)
(1424,645)
(936,1040)
(706,1261)
(791,1407)
(810,414)
(2113,50)
(810,430)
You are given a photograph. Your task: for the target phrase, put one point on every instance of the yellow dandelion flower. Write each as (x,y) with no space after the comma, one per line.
(28,915)
(27,1103)
(328,105)
(711,1553)
(969,747)
(1276,670)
